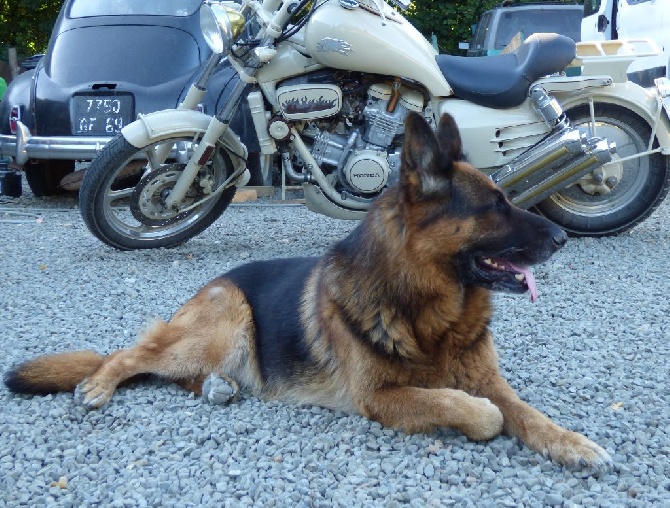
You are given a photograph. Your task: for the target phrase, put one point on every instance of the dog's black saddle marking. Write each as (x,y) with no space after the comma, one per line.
(274,290)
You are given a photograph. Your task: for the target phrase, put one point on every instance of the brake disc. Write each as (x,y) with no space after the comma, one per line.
(147,202)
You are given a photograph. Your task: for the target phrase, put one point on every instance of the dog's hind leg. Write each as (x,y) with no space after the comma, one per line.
(217,388)
(212,332)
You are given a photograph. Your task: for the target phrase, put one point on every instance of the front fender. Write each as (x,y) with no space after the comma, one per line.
(171,123)
(644,102)
(17,94)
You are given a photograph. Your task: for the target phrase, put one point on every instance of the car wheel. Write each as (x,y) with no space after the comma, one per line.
(44,177)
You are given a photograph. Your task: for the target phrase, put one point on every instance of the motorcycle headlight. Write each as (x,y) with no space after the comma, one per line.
(221,26)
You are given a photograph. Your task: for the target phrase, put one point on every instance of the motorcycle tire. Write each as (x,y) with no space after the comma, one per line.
(107,189)
(635,188)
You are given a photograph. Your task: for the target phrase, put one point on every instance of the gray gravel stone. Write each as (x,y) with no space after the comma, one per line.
(593,352)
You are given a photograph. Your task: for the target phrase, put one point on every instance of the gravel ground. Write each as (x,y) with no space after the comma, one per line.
(592,353)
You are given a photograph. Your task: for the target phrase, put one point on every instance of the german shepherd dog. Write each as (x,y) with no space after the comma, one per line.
(392,323)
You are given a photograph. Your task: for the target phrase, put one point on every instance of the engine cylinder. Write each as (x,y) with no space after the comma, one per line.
(384,125)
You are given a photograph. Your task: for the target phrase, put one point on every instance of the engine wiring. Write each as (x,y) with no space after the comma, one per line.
(290,31)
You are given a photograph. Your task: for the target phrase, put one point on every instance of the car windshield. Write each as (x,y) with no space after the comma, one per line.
(527,22)
(88,8)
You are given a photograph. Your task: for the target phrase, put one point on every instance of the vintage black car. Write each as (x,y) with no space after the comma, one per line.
(106,62)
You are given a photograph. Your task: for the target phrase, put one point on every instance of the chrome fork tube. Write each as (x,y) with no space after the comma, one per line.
(207,71)
(194,96)
(217,127)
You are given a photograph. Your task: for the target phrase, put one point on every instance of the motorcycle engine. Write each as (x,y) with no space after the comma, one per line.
(358,148)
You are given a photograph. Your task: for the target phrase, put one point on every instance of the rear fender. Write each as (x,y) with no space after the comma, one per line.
(645,103)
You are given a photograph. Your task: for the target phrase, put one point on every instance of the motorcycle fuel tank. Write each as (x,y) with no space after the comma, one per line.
(360,39)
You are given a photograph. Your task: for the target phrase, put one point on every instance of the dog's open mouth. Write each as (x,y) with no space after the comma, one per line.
(504,275)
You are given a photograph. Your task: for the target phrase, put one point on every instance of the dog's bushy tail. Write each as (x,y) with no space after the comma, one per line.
(60,372)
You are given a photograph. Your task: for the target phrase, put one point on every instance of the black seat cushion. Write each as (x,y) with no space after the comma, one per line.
(502,81)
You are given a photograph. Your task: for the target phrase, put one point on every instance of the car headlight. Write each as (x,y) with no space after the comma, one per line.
(221,26)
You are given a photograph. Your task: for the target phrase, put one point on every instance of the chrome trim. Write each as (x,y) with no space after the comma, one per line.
(403,5)
(663,86)
(23,146)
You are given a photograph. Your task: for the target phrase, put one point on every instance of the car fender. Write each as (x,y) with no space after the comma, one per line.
(18,93)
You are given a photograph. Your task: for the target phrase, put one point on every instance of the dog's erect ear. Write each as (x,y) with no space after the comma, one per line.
(449,139)
(426,165)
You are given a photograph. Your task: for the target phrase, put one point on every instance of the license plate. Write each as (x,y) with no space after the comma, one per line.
(101,115)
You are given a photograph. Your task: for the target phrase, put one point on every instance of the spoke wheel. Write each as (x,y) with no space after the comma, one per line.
(122,198)
(619,196)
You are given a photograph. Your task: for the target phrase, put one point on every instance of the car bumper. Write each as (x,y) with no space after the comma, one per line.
(23,146)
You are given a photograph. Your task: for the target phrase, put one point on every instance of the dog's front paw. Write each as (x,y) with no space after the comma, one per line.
(91,394)
(486,423)
(574,450)
(219,390)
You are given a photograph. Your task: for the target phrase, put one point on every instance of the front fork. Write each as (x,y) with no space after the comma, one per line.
(216,128)
(194,96)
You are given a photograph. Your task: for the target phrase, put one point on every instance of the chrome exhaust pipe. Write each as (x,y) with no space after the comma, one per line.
(558,161)
(538,162)
(597,152)
(289,170)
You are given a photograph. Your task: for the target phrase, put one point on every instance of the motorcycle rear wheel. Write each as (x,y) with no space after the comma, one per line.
(630,191)
(108,189)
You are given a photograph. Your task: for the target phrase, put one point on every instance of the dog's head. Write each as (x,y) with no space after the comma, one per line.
(459,216)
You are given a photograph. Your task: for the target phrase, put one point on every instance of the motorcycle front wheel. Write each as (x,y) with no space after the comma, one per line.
(623,194)
(122,196)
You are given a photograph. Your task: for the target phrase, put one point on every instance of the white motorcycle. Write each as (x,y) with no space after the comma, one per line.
(328,88)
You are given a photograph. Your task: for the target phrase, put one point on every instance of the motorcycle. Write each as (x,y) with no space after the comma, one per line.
(328,84)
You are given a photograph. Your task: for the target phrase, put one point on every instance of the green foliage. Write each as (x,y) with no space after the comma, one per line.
(451,21)
(26,25)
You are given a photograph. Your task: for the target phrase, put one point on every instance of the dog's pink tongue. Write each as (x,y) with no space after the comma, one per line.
(530,280)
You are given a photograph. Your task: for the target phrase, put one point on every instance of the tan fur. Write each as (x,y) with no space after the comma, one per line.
(392,332)
(212,331)
(59,372)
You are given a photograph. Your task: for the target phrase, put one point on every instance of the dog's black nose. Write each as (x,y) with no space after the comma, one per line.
(560,238)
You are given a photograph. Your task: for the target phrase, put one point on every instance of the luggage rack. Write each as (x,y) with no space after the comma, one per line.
(612,57)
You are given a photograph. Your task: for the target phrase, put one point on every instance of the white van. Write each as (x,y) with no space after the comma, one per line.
(632,19)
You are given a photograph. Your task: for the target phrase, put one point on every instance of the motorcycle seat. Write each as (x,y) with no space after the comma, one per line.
(503,81)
